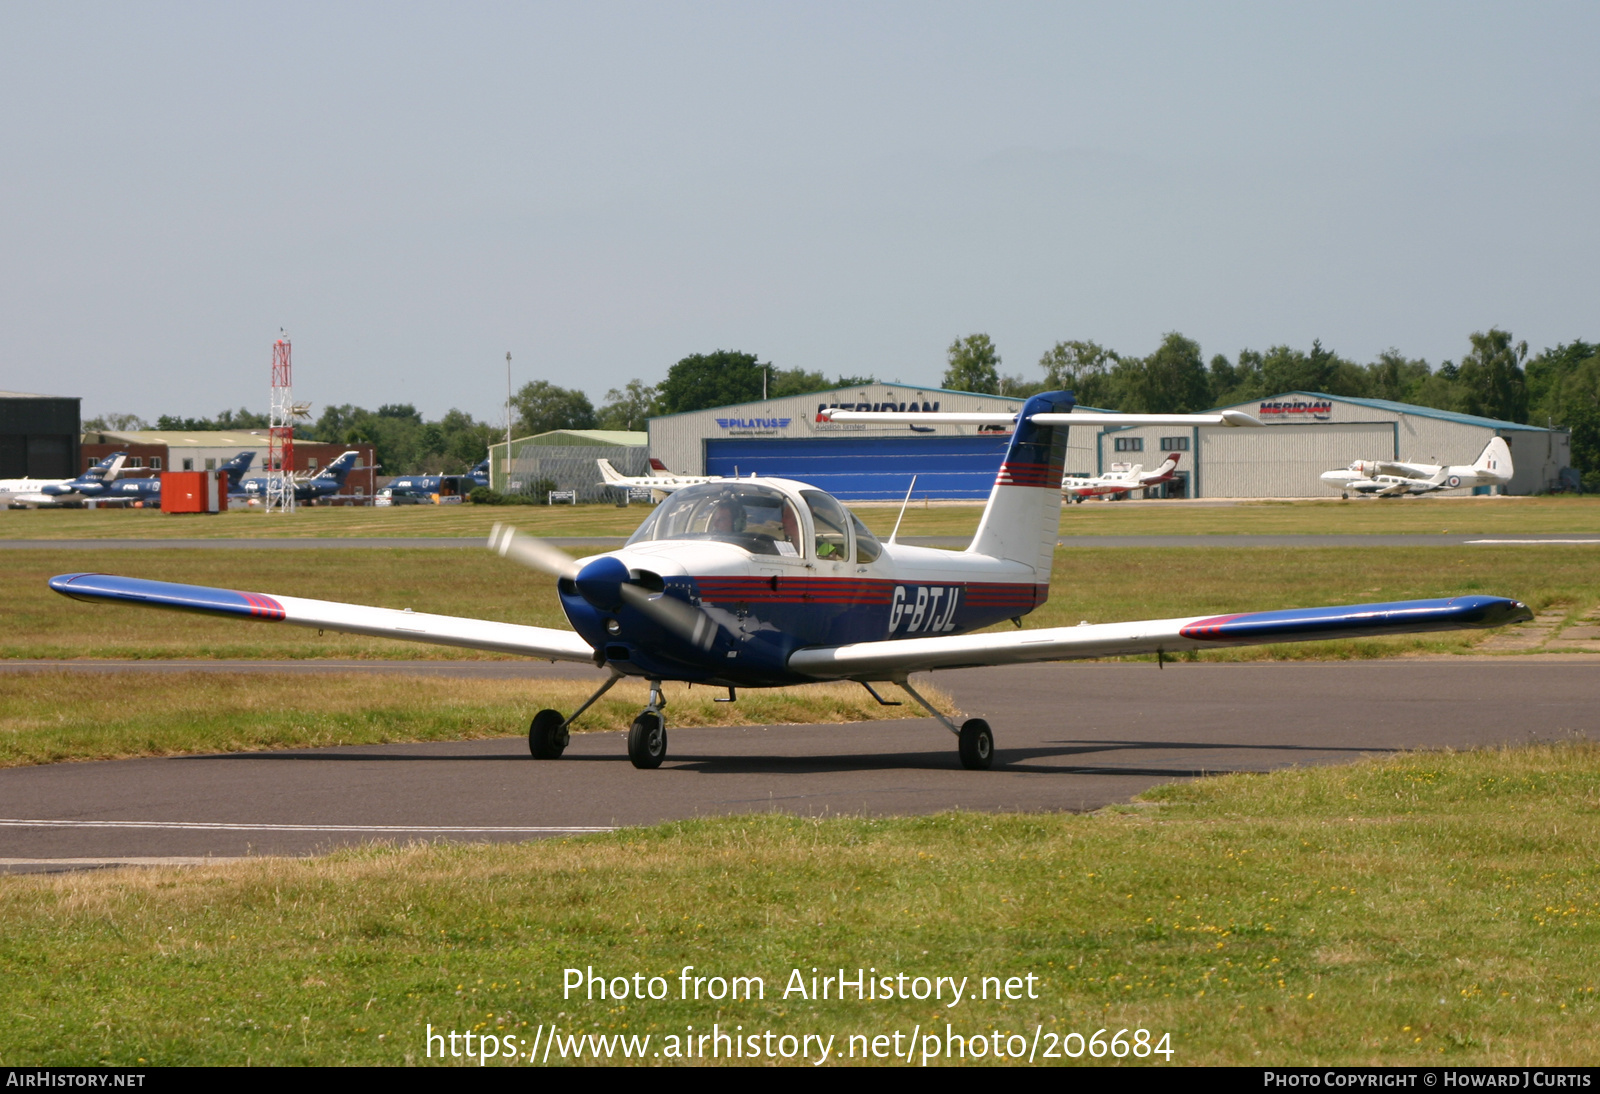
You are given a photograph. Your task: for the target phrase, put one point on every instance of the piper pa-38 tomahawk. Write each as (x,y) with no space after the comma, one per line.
(1120,482)
(757,582)
(1391,478)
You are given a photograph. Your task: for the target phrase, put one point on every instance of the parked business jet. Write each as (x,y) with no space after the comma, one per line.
(326,482)
(90,484)
(148,491)
(751,583)
(1392,478)
(1120,482)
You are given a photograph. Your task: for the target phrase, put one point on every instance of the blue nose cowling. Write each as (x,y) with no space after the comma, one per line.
(600,583)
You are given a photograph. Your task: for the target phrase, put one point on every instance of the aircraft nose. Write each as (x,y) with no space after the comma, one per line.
(600,583)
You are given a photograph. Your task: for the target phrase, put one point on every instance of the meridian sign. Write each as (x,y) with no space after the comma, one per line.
(1296,410)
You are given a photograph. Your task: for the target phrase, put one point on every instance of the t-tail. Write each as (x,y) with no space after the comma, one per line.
(236,469)
(1023,518)
(659,470)
(106,470)
(339,468)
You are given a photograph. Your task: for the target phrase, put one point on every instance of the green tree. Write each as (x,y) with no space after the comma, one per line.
(795,381)
(542,406)
(704,380)
(1172,380)
(228,419)
(1083,368)
(974,365)
(628,407)
(116,423)
(1492,378)
(1394,376)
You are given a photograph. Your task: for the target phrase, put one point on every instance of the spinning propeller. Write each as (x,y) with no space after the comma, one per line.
(607,584)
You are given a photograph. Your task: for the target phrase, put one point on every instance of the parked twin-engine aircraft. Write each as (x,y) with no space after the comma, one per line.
(1120,482)
(768,582)
(91,484)
(1391,478)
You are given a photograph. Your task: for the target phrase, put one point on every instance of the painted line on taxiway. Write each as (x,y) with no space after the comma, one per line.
(1595,542)
(208,826)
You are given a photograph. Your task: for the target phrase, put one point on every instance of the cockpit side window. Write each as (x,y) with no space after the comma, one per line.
(831,524)
(867,546)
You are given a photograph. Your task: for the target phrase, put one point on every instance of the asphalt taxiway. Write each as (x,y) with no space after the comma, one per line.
(1070,737)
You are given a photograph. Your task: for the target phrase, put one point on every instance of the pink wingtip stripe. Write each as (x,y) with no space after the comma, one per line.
(263,606)
(1209,628)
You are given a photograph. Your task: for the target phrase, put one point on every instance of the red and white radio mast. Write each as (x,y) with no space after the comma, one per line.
(280,432)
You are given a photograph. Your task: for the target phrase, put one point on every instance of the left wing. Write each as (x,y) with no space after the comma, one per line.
(892,660)
(408,626)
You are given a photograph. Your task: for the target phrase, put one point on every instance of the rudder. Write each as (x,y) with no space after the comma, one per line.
(1023,517)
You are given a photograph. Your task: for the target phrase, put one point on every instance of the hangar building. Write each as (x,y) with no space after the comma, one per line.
(564,459)
(1308,432)
(854,461)
(38,436)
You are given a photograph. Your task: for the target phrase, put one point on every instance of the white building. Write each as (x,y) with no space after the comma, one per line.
(1308,433)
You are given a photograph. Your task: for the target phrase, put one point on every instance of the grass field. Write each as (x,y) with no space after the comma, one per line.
(1408,515)
(1425,909)
(48,717)
(1097,585)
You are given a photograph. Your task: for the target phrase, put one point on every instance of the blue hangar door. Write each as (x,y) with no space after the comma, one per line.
(867,468)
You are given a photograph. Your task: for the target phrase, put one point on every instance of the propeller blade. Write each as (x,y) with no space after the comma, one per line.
(685,620)
(532,552)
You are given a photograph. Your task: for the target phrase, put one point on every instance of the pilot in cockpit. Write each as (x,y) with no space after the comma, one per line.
(727,517)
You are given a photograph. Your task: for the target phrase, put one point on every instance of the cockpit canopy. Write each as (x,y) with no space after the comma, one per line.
(761,519)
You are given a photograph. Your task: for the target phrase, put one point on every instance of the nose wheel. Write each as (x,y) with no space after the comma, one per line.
(647,739)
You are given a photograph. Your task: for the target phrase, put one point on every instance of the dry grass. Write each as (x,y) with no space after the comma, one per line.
(1098,585)
(1311,516)
(48,717)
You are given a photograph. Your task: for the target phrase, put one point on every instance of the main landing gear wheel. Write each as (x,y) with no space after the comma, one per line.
(647,740)
(977,745)
(547,736)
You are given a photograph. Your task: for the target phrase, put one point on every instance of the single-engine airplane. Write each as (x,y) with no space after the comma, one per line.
(764,582)
(660,482)
(1121,482)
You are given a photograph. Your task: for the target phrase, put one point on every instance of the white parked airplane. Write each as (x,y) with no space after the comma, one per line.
(1392,478)
(660,482)
(1120,482)
(91,484)
(755,583)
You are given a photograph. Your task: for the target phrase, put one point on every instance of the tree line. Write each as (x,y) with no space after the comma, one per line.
(1496,378)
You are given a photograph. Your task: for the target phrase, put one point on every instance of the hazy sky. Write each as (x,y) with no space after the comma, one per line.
(601,189)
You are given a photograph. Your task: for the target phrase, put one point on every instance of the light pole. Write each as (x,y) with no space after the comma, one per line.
(506,482)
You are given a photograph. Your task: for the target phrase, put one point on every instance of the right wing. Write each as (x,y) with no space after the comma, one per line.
(893,659)
(408,626)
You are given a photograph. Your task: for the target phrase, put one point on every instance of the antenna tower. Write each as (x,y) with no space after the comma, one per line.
(280,432)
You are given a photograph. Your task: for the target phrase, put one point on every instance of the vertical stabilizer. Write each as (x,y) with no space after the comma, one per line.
(1495,460)
(1023,516)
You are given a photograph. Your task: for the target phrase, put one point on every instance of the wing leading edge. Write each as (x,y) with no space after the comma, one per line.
(894,659)
(439,630)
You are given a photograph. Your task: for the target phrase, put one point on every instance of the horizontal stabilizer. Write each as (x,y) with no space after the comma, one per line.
(407,626)
(892,660)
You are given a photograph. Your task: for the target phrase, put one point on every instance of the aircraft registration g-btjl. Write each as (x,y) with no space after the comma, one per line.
(764,582)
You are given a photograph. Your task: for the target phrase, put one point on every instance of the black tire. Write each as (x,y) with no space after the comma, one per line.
(647,741)
(547,738)
(977,745)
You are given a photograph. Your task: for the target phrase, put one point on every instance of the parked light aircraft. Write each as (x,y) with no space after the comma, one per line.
(757,582)
(1391,478)
(660,482)
(90,484)
(327,481)
(433,489)
(1120,482)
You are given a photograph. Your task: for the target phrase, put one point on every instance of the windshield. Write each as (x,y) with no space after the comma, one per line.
(757,518)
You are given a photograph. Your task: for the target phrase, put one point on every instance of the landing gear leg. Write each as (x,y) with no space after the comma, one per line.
(647,740)
(548,736)
(976,739)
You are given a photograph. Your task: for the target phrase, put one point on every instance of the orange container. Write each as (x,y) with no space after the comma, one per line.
(193,492)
